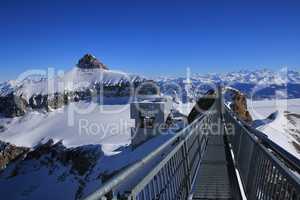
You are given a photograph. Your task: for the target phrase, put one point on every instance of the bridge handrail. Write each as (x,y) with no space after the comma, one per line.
(284,154)
(263,175)
(173,177)
(116,180)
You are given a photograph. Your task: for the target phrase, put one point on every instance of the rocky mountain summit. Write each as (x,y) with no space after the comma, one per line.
(88,61)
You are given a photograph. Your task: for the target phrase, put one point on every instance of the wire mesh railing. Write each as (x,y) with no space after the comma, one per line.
(173,177)
(263,175)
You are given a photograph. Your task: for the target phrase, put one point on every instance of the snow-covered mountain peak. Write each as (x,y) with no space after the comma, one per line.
(88,72)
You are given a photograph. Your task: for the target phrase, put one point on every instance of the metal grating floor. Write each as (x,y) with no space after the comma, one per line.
(212,181)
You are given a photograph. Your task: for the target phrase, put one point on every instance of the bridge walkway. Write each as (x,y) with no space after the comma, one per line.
(212,180)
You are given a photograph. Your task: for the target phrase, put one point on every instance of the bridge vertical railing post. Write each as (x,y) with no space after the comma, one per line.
(254,168)
(186,166)
(199,140)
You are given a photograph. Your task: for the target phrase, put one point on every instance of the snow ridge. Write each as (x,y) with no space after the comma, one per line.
(74,80)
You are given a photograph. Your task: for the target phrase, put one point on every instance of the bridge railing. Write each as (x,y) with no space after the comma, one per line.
(288,158)
(173,176)
(263,175)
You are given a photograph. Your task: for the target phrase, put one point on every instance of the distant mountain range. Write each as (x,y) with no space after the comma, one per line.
(262,76)
(258,84)
(91,77)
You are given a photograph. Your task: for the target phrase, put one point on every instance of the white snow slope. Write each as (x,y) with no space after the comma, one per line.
(108,126)
(285,129)
(99,124)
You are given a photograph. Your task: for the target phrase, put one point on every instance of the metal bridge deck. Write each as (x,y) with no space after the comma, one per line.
(212,180)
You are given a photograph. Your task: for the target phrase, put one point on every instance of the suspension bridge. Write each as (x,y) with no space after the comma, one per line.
(216,157)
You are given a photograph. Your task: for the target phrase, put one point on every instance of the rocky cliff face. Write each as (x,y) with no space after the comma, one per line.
(239,106)
(13,105)
(9,153)
(81,158)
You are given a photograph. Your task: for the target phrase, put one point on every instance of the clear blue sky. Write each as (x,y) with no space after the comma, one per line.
(150,37)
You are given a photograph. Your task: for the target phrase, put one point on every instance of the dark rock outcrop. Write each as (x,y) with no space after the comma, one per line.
(81,159)
(13,105)
(51,159)
(88,61)
(239,106)
(203,104)
(39,102)
(9,153)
